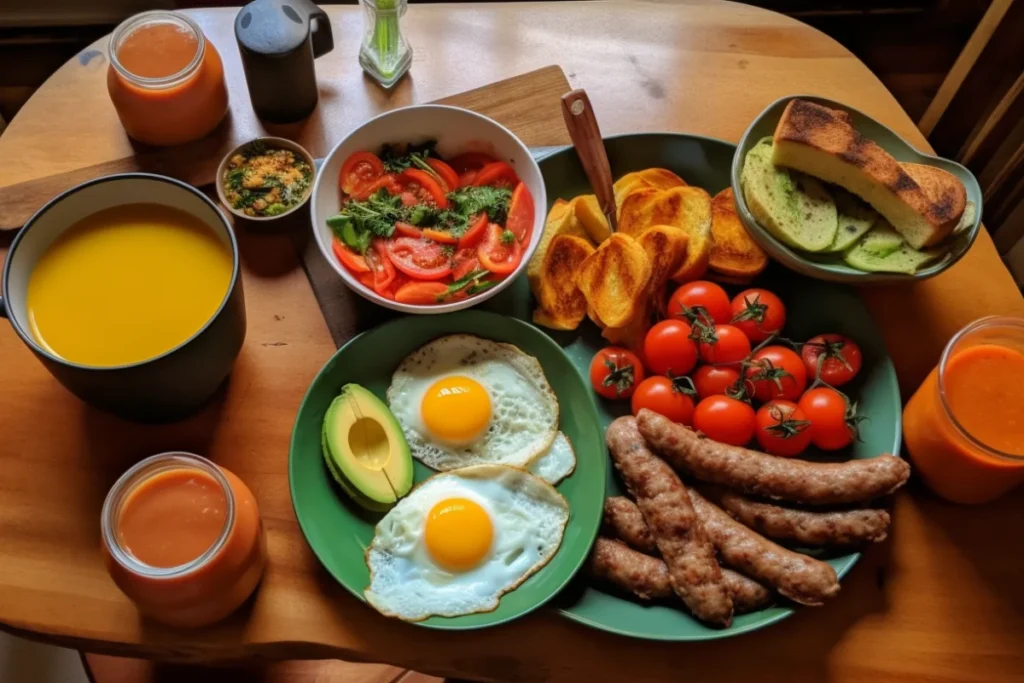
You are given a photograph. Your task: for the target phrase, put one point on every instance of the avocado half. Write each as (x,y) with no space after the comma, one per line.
(365,450)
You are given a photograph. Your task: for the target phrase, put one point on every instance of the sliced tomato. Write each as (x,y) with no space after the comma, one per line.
(446,172)
(424,187)
(407,230)
(520,213)
(420,259)
(498,255)
(366,279)
(498,174)
(440,236)
(466,179)
(349,258)
(359,169)
(464,263)
(420,293)
(388,181)
(470,161)
(476,232)
(381,267)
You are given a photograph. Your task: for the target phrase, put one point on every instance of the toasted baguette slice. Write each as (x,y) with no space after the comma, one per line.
(588,213)
(823,143)
(649,178)
(614,279)
(884,250)
(940,186)
(561,305)
(687,208)
(734,252)
(854,219)
(561,221)
(796,209)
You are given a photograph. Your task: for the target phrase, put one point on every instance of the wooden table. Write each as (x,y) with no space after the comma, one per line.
(941,601)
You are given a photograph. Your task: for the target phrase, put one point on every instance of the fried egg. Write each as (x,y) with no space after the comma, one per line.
(463,400)
(461,540)
(557,463)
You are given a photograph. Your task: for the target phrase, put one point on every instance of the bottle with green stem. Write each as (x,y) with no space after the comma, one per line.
(384,54)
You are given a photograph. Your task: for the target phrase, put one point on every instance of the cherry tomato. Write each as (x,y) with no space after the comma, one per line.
(388,182)
(359,169)
(701,296)
(470,161)
(725,419)
(497,174)
(407,230)
(420,259)
(464,263)
(668,397)
(715,380)
(615,372)
(776,372)
(782,428)
(445,172)
(498,254)
(723,345)
(440,236)
(349,258)
(424,187)
(759,313)
(381,267)
(520,213)
(669,349)
(476,232)
(839,358)
(833,421)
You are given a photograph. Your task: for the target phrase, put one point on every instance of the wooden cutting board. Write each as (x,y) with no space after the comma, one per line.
(527,104)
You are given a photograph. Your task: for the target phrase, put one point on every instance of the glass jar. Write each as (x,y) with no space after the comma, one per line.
(964,427)
(165,78)
(384,54)
(203,588)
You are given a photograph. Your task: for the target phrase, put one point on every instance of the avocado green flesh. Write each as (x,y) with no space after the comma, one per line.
(854,217)
(365,450)
(883,250)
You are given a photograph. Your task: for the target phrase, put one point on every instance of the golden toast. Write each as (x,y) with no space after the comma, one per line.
(687,208)
(649,178)
(562,305)
(614,279)
(734,253)
(561,221)
(588,213)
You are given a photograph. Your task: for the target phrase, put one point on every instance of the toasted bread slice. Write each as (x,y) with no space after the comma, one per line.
(796,209)
(823,143)
(940,186)
(884,250)
(853,218)
(561,221)
(562,305)
(687,208)
(734,252)
(588,213)
(614,279)
(649,178)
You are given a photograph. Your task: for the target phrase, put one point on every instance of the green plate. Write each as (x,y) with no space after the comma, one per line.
(813,307)
(338,531)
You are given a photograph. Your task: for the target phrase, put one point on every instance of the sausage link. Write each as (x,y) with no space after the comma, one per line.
(769,476)
(624,521)
(693,569)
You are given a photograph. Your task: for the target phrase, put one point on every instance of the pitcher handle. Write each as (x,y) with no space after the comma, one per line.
(323,39)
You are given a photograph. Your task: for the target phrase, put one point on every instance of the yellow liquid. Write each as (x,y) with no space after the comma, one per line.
(127,284)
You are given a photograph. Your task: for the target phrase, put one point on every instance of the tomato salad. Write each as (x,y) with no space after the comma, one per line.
(419,229)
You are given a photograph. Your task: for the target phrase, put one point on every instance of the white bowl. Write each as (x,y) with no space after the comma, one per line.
(456,130)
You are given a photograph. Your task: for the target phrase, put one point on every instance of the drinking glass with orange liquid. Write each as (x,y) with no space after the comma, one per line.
(964,427)
(183,539)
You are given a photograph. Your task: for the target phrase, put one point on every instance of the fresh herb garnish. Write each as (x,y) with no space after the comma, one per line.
(481,286)
(467,280)
(508,237)
(397,158)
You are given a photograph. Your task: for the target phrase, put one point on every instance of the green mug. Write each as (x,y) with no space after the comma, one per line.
(164,388)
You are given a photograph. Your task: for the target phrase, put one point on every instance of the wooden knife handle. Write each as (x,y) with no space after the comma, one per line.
(586,138)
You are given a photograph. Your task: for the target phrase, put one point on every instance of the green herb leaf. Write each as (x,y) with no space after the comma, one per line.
(465,281)
(508,237)
(481,287)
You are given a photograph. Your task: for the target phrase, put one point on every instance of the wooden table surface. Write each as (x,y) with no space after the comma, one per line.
(940,601)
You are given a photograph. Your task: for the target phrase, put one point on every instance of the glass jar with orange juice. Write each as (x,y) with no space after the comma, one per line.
(964,428)
(166,79)
(183,539)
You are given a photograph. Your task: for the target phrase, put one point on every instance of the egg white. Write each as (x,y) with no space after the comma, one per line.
(557,462)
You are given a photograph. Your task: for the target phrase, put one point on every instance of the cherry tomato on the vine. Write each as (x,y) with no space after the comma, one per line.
(836,357)
(668,348)
(672,397)
(782,428)
(715,380)
(776,372)
(722,345)
(759,313)
(833,420)
(615,372)
(700,300)
(726,420)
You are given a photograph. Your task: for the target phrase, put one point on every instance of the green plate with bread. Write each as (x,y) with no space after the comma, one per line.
(838,196)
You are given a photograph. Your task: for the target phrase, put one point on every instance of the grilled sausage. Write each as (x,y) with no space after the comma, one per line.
(769,476)
(624,521)
(800,578)
(693,570)
(647,577)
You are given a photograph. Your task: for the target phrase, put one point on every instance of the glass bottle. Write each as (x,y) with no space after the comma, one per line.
(384,54)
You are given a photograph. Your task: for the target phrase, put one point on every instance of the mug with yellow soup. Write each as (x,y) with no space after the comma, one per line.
(127,288)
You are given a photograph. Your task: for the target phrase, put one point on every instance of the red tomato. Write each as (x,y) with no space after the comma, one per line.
(693,299)
(445,172)
(424,187)
(723,345)
(759,313)
(406,230)
(833,419)
(440,236)
(498,254)
(615,372)
(776,372)
(782,428)
(520,213)
(725,419)
(409,198)
(396,284)
(470,161)
(466,179)
(715,380)
(476,232)
(388,182)
(839,358)
(497,174)
(464,263)
(349,258)
(381,267)
(419,259)
(667,397)
(669,349)
(423,293)
(359,169)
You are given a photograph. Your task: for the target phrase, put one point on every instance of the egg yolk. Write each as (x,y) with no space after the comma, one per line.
(456,409)
(458,534)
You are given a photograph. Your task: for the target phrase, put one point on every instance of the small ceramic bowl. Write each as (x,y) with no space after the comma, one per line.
(269,143)
(456,131)
(831,266)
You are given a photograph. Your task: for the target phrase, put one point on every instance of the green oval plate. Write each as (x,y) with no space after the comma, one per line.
(338,531)
(812,307)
